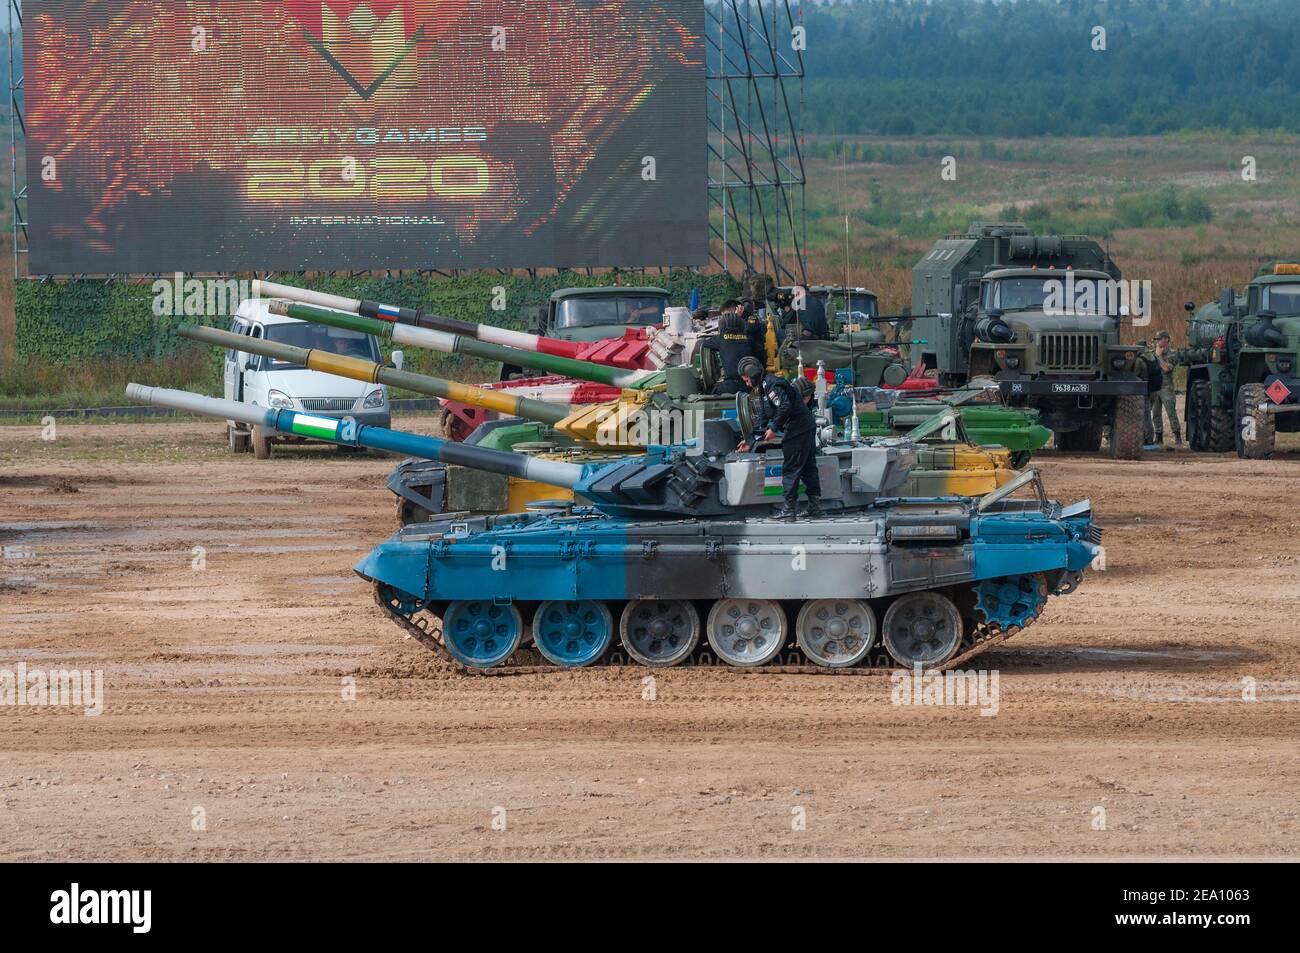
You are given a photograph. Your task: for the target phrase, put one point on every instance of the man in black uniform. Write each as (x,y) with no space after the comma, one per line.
(787,320)
(732,345)
(756,328)
(812,320)
(785,410)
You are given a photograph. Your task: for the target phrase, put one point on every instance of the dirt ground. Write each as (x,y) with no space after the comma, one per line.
(216,596)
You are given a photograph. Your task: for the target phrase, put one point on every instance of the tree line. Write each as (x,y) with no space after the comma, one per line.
(1051,67)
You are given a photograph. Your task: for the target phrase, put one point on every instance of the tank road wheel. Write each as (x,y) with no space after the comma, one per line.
(573,634)
(261,444)
(1012,601)
(659,632)
(1256,432)
(481,634)
(747,632)
(836,632)
(922,628)
(1128,428)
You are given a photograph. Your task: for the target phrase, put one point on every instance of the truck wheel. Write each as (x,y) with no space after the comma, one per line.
(1210,428)
(1197,416)
(261,444)
(1255,430)
(1128,430)
(239,440)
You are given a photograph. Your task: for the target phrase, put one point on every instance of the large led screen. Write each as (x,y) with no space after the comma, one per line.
(335,134)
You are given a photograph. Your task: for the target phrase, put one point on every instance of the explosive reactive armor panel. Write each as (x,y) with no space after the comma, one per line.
(336,134)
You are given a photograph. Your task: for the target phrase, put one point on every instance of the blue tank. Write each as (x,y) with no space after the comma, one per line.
(679,558)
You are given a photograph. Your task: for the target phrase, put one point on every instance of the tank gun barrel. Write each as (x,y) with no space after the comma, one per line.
(362,370)
(449,343)
(420,319)
(351,434)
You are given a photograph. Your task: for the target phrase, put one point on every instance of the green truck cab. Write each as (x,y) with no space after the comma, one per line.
(1243,381)
(1041,316)
(591,314)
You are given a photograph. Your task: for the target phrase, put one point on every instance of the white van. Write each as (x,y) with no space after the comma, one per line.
(264,382)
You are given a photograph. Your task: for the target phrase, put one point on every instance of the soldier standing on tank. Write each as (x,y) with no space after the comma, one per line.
(784,410)
(782,307)
(813,325)
(756,328)
(1164,402)
(732,345)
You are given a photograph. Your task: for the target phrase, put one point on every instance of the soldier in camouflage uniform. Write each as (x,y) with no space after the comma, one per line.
(1164,402)
(1147,367)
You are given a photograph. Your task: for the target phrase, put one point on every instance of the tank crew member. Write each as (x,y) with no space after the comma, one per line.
(782,306)
(756,328)
(785,410)
(812,320)
(1164,402)
(732,345)
(806,325)
(806,388)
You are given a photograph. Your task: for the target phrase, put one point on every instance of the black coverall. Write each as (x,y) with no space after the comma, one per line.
(807,325)
(732,349)
(785,411)
(756,329)
(812,320)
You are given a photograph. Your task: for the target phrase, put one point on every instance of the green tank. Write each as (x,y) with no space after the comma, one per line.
(1015,429)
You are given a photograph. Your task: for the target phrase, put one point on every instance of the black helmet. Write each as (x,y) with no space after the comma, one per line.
(731,323)
(805,387)
(749,367)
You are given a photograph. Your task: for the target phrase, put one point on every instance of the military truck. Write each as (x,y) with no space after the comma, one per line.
(1040,315)
(1242,383)
(590,314)
(843,305)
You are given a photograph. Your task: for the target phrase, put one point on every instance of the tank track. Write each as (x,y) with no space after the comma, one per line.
(528,661)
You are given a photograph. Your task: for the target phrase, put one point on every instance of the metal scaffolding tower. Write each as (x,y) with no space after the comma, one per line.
(757,180)
(17,139)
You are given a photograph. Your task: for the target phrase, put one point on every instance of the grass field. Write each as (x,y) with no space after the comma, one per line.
(1174,210)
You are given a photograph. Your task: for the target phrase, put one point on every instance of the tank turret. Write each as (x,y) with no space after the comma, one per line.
(706,479)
